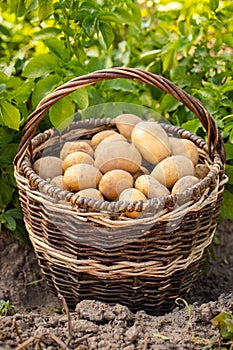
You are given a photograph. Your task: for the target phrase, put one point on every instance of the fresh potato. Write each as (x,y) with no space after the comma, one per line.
(81,176)
(171,169)
(184,183)
(117,155)
(150,187)
(58,181)
(152,141)
(141,171)
(201,170)
(77,158)
(48,167)
(100,136)
(132,195)
(114,182)
(76,146)
(114,137)
(184,147)
(91,193)
(125,124)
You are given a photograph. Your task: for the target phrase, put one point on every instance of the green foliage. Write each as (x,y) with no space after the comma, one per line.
(46,43)
(224,321)
(6,308)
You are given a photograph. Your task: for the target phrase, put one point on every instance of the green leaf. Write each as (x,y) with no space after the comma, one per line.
(7,156)
(229,173)
(45,9)
(169,103)
(229,151)
(179,76)
(227,206)
(6,136)
(8,221)
(22,93)
(168,59)
(214,5)
(107,33)
(15,213)
(80,97)
(192,125)
(224,321)
(45,33)
(44,87)
(121,84)
(58,48)
(61,114)
(4,30)
(41,65)
(88,24)
(10,115)
(3,78)
(109,16)
(6,195)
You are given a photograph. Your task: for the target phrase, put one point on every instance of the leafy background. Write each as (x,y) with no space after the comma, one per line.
(44,43)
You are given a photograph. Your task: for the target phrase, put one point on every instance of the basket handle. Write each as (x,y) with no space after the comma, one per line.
(214,137)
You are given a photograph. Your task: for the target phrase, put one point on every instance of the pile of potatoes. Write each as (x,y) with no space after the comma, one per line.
(137,161)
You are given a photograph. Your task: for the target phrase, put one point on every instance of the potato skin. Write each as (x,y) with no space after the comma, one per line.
(114,182)
(117,155)
(58,181)
(150,187)
(184,183)
(100,136)
(48,167)
(201,170)
(132,195)
(91,193)
(76,146)
(171,169)
(125,123)
(77,158)
(152,141)
(81,176)
(184,147)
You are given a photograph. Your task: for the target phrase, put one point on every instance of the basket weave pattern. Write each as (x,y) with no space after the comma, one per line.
(87,248)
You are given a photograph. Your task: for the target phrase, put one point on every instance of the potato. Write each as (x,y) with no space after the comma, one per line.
(184,183)
(171,169)
(117,155)
(201,170)
(132,195)
(97,138)
(114,182)
(150,187)
(48,167)
(114,137)
(141,171)
(91,193)
(125,124)
(184,147)
(58,181)
(77,158)
(76,146)
(81,176)
(152,141)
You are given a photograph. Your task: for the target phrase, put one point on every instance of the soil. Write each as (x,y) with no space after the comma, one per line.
(38,320)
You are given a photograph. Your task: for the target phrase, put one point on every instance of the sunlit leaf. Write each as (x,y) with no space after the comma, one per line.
(80,97)
(10,115)
(45,9)
(40,65)
(61,114)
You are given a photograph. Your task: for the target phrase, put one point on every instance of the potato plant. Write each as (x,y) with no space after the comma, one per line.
(45,43)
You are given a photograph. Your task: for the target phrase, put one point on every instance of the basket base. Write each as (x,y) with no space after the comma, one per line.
(137,293)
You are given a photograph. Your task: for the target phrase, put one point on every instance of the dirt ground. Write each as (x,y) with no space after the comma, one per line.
(40,323)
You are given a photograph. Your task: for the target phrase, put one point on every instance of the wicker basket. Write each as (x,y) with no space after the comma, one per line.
(86,248)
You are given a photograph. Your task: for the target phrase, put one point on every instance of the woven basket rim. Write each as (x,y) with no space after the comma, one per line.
(169,201)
